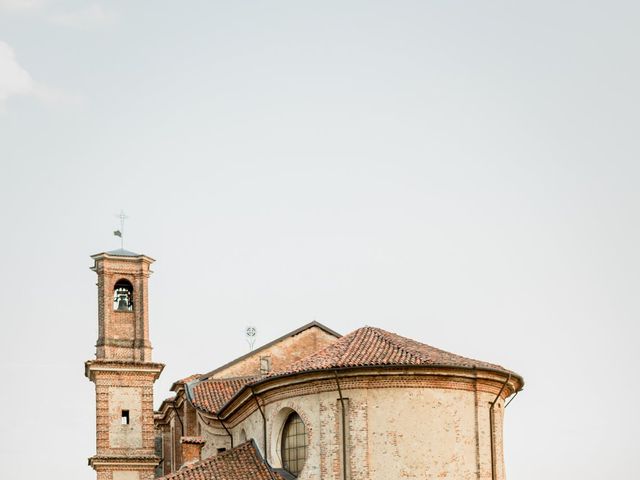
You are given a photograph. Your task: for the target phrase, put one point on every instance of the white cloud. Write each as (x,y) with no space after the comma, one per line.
(15,80)
(89,17)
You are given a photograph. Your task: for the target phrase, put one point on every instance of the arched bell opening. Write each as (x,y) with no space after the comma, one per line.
(123,296)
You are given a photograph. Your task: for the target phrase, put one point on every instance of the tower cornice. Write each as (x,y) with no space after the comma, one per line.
(124,255)
(91,367)
(124,461)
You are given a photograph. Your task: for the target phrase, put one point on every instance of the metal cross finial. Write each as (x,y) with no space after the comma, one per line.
(120,233)
(250,334)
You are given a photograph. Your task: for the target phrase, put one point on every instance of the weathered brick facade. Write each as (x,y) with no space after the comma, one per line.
(372,405)
(410,410)
(123,372)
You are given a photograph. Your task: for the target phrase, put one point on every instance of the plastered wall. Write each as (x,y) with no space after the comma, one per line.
(392,433)
(130,435)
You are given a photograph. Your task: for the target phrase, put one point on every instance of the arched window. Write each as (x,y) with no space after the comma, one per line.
(123,296)
(243,436)
(294,444)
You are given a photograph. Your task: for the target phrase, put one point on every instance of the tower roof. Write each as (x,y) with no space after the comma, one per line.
(125,254)
(121,252)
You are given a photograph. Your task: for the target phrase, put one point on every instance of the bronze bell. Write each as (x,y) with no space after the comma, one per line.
(123,300)
(123,304)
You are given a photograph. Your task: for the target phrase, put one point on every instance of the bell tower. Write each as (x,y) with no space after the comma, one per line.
(122,371)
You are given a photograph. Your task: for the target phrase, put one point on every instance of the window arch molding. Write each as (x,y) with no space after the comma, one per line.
(277,422)
(294,444)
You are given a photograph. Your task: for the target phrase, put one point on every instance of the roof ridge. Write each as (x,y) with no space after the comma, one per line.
(290,334)
(225,379)
(385,335)
(351,344)
(337,346)
(393,339)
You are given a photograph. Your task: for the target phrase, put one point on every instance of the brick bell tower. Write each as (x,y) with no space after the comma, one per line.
(122,370)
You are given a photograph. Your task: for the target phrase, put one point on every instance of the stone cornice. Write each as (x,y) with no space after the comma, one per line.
(495,378)
(136,258)
(122,366)
(122,460)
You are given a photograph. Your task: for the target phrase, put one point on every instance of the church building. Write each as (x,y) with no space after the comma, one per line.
(310,405)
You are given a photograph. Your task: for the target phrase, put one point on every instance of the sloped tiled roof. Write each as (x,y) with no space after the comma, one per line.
(369,346)
(211,394)
(365,347)
(182,381)
(243,462)
(188,379)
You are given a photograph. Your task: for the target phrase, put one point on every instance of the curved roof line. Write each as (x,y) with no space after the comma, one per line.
(367,348)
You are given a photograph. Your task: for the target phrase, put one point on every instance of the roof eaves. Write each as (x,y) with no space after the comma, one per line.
(190,394)
(251,386)
(123,254)
(184,381)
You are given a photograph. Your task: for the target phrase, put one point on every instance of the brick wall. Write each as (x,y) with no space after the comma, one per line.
(281,354)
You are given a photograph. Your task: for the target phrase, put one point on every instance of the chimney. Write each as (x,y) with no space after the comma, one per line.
(191,447)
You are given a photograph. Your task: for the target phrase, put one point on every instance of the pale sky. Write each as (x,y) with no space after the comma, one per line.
(462,173)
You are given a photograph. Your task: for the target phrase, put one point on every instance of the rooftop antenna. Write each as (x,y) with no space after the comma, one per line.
(250,334)
(120,233)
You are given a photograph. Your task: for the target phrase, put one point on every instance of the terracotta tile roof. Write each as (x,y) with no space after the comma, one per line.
(241,463)
(369,346)
(182,381)
(365,347)
(211,394)
(190,378)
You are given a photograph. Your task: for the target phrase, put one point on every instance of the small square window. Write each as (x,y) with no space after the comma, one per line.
(265,365)
(124,420)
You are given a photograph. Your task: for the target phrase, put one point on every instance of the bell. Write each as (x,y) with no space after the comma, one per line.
(123,302)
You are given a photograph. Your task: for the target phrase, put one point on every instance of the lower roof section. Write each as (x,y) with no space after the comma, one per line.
(243,462)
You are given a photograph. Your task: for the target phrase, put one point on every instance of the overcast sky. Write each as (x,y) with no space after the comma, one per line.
(462,173)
